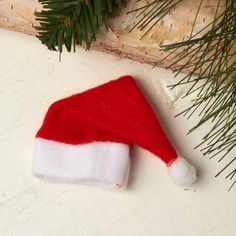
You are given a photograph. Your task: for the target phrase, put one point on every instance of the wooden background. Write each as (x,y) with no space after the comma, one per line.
(31,79)
(18,15)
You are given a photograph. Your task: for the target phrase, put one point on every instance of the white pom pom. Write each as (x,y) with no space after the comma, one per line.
(181,172)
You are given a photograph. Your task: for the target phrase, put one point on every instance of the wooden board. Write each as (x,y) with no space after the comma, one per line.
(18,15)
(151,206)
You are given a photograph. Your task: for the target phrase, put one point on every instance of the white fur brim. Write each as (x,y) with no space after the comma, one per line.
(181,172)
(103,164)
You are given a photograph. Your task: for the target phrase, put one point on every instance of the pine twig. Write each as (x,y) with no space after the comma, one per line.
(71,22)
(212,59)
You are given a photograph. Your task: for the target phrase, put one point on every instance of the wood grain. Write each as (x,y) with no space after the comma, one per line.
(18,15)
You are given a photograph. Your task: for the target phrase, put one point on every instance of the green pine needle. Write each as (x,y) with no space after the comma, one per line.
(212,61)
(70,22)
(152,13)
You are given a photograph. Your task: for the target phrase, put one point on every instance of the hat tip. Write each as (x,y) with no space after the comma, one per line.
(182,173)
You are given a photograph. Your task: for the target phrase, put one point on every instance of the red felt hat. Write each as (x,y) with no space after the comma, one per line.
(86,137)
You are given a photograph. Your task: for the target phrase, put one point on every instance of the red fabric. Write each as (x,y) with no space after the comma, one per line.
(116,111)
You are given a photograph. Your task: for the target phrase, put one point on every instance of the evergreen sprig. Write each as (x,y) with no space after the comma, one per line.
(212,61)
(71,22)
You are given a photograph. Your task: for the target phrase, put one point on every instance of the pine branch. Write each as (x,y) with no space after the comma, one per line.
(212,59)
(71,22)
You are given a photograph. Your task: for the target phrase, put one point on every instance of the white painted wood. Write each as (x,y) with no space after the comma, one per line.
(31,78)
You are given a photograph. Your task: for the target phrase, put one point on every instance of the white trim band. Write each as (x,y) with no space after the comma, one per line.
(103,164)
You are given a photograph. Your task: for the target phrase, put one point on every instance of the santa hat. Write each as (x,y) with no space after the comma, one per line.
(86,137)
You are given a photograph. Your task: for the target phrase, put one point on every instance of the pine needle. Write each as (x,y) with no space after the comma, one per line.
(212,60)
(70,22)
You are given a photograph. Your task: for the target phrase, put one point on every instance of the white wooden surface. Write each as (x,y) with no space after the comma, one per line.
(31,78)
